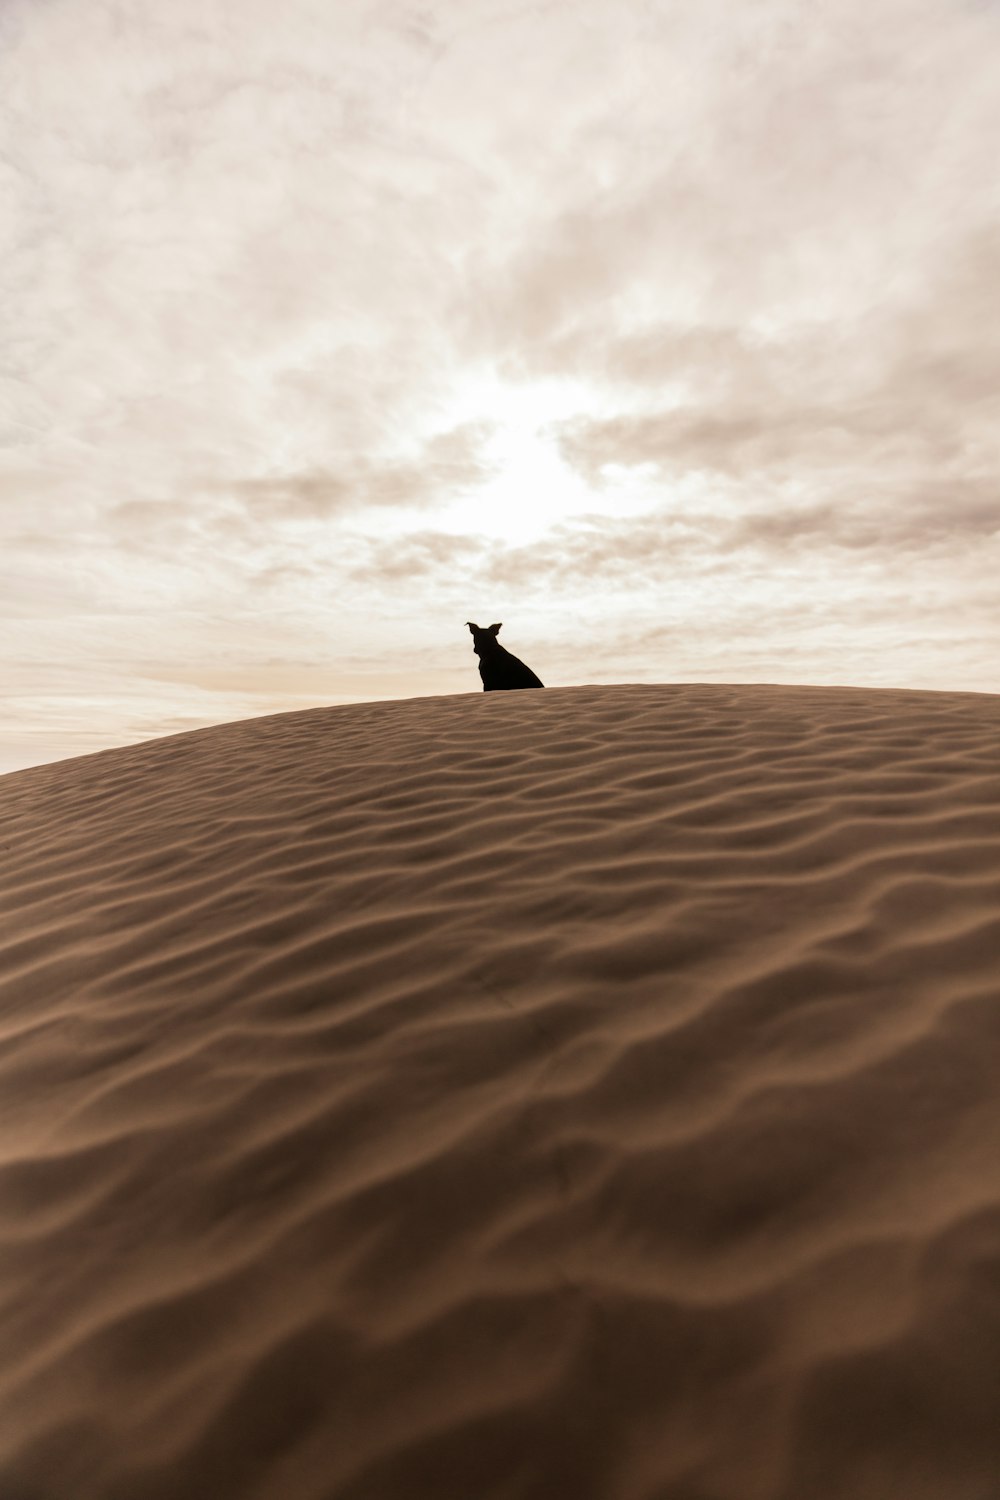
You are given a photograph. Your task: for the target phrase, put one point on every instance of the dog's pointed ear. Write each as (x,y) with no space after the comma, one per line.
(494,629)
(472,627)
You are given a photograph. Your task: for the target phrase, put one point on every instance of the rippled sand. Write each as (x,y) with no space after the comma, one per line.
(588,1094)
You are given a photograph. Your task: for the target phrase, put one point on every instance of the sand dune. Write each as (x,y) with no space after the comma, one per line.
(588,1094)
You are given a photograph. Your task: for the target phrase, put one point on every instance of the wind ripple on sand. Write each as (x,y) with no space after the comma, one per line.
(588,1093)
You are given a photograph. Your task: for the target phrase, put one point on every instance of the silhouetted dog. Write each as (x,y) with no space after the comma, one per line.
(497,667)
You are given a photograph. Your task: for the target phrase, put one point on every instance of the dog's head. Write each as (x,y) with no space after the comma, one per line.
(482,639)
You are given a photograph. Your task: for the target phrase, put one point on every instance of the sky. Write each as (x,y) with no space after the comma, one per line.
(667,334)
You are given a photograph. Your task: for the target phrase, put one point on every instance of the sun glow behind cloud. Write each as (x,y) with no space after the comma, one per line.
(527,486)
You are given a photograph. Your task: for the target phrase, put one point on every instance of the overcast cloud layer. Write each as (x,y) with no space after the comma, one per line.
(667,334)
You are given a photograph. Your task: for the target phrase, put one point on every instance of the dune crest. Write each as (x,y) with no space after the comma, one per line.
(510,1096)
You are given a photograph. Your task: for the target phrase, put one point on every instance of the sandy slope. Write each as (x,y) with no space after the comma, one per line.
(564,1095)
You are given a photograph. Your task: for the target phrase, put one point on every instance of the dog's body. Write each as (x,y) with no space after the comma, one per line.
(497,668)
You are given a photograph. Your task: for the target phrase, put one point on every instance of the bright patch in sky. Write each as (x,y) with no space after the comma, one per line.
(527,486)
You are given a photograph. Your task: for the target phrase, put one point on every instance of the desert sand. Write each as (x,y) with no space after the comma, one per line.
(588,1094)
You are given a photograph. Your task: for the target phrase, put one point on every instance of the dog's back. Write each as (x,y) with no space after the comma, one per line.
(499,670)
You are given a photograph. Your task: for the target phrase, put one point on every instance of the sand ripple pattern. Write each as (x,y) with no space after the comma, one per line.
(581,1095)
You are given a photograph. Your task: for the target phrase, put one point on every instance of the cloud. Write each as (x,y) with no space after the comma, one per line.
(445,466)
(747,441)
(889,440)
(926,518)
(726,545)
(420,556)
